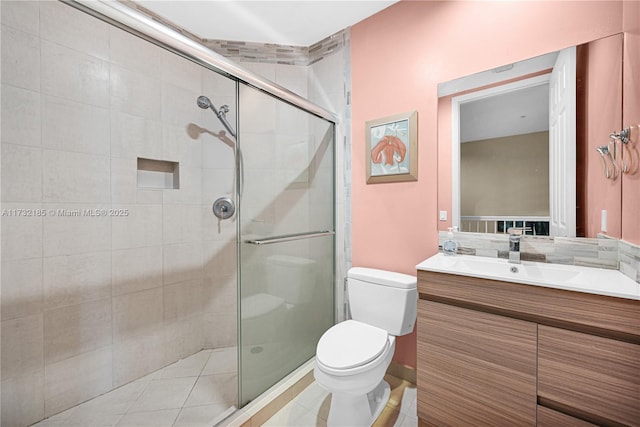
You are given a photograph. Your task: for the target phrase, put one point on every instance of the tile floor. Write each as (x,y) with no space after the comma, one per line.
(192,392)
(197,390)
(311,407)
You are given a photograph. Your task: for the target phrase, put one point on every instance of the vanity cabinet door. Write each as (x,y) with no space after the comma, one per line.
(550,418)
(593,376)
(475,368)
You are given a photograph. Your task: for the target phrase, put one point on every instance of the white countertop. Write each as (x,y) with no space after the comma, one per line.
(591,280)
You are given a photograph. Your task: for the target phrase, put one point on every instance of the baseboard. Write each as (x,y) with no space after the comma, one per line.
(403,372)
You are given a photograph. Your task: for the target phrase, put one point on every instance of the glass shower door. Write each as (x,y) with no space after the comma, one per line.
(286,250)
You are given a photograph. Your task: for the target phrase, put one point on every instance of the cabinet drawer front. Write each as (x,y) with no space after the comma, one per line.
(550,418)
(574,310)
(475,368)
(594,375)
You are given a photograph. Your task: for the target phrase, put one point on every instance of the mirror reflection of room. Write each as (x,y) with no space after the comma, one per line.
(514,164)
(504,161)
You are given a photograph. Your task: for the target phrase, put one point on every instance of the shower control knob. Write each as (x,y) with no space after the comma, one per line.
(224,208)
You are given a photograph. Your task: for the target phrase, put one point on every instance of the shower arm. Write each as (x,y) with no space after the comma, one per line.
(223,118)
(221,115)
(205,103)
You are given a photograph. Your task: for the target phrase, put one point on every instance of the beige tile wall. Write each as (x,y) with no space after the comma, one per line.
(91,303)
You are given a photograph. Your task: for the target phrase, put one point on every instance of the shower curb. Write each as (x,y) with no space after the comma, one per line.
(272,400)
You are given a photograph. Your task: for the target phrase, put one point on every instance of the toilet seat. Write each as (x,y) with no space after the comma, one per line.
(351,344)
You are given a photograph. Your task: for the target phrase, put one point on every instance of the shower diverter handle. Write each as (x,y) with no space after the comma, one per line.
(224,208)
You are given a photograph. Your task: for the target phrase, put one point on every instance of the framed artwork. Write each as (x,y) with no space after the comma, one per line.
(392,148)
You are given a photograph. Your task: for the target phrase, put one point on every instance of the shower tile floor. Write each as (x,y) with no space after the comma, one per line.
(192,392)
(197,390)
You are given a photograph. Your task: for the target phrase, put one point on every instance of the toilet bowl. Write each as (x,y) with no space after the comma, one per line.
(354,376)
(352,357)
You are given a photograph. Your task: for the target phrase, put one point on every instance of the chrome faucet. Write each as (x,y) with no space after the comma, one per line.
(515,233)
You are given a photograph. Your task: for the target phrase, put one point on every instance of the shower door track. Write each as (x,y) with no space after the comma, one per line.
(290,237)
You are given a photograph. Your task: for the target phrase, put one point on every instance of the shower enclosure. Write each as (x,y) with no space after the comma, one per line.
(285,238)
(117,275)
(282,205)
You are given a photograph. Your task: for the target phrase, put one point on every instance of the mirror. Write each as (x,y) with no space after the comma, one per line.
(509,161)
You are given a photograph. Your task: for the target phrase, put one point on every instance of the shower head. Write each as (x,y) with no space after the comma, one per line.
(204,102)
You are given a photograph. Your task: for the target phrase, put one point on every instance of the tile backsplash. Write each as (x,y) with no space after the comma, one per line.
(629,257)
(601,252)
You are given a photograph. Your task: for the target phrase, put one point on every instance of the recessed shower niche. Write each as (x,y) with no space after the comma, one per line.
(158,174)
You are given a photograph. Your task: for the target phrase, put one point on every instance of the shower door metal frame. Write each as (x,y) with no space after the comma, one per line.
(277,238)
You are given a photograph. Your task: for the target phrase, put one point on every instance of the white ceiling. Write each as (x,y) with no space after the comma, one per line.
(296,23)
(516,112)
(513,113)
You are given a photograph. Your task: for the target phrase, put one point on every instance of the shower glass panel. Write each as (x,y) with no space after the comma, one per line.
(286,249)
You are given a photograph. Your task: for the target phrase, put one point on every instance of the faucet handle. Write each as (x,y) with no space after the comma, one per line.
(518,231)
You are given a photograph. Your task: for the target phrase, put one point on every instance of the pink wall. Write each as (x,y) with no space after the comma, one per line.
(603,104)
(631,116)
(398,57)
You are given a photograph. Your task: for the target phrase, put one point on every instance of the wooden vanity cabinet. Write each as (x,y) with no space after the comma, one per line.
(550,418)
(475,368)
(592,374)
(494,353)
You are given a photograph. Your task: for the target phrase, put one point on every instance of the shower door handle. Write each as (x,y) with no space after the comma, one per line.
(290,237)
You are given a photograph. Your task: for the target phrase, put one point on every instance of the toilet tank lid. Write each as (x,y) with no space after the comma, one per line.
(383,277)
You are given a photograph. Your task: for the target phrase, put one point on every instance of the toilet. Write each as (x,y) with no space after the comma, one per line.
(289,286)
(352,357)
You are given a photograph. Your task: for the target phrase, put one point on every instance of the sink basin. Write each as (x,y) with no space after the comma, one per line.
(574,278)
(528,270)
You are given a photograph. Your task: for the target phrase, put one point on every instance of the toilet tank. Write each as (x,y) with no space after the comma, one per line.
(290,278)
(382,298)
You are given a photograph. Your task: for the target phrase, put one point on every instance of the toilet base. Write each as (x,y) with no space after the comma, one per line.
(358,411)
(378,398)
